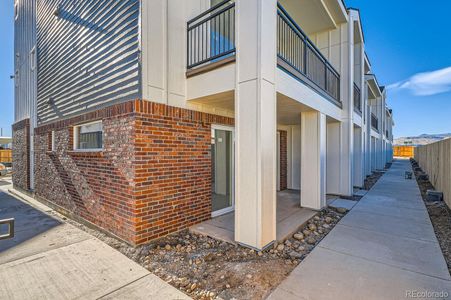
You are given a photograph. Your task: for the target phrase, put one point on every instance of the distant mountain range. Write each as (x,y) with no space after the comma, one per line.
(422,139)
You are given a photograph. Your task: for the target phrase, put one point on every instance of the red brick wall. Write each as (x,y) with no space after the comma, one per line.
(152,178)
(95,186)
(173,168)
(21,155)
(283,160)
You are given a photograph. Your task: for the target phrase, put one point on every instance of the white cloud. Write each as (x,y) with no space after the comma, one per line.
(427,83)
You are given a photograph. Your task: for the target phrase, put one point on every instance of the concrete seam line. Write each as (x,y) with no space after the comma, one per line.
(389,234)
(127,284)
(382,214)
(385,264)
(49,250)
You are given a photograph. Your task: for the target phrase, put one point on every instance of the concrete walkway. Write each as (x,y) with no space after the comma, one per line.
(50,259)
(384,248)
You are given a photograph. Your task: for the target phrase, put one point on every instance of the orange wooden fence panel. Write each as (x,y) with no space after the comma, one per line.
(6,156)
(404,151)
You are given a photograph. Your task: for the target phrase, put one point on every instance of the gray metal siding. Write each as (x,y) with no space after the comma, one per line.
(25,80)
(25,77)
(88,55)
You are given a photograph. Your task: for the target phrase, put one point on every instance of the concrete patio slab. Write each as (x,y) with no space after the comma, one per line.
(343,203)
(390,225)
(410,254)
(327,274)
(288,226)
(360,193)
(209,229)
(290,216)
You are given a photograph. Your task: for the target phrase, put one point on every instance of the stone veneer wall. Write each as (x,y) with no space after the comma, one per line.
(21,155)
(152,178)
(283,160)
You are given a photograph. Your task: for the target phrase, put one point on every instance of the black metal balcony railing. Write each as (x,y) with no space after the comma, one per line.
(374,122)
(357,100)
(211,35)
(296,50)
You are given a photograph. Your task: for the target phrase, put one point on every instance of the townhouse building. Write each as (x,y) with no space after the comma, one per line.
(145,117)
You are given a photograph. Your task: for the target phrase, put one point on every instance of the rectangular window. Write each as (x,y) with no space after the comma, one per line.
(16,9)
(88,136)
(16,72)
(52,141)
(33,59)
(16,78)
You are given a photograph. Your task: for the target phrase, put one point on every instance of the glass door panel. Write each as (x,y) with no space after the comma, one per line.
(222,171)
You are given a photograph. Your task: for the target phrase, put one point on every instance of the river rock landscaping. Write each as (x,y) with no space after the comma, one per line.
(205,268)
(439,213)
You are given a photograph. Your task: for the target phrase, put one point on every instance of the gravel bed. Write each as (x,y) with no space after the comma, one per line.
(439,213)
(205,268)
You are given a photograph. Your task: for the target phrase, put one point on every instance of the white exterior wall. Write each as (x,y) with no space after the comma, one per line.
(164,63)
(330,148)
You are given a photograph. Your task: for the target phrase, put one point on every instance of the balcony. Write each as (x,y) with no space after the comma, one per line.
(374,122)
(300,57)
(357,99)
(211,42)
(211,35)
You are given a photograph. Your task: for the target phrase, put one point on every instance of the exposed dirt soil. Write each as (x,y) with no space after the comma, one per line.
(439,213)
(205,268)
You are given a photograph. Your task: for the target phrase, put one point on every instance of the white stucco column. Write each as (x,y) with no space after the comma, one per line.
(313,159)
(255,117)
(333,159)
(346,131)
(367,131)
(358,158)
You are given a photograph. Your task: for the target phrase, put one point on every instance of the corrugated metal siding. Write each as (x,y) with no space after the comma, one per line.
(88,55)
(25,77)
(25,80)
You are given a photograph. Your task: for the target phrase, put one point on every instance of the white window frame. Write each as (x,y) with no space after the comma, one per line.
(33,59)
(53,141)
(16,9)
(16,78)
(75,138)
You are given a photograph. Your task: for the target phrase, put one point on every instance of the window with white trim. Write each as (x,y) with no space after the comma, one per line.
(53,141)
(16,9)
(33,59)
(88,136)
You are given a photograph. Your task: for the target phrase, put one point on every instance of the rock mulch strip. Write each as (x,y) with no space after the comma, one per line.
(371,180)
(205,268)
(439,213)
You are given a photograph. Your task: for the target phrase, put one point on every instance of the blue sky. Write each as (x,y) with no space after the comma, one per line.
(6,66)
(408,51)
(403,39)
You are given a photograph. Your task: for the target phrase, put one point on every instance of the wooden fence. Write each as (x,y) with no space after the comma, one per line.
(6,156)
(435,160)
(404,151)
